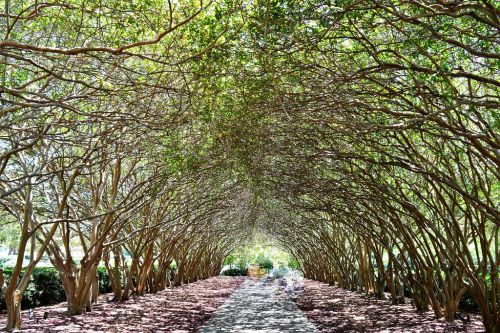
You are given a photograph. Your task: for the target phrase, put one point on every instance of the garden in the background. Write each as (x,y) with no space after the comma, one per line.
(259,257)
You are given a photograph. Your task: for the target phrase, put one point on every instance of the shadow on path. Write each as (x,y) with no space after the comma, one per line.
(334,309)
(182,309)
(258,307)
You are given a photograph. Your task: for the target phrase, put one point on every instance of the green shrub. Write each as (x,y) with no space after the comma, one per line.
(293,264)
(45,287)
(104,283)
(467,303)
(234,272)
(264,263)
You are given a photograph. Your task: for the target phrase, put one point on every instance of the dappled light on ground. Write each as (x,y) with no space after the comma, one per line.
(142,143)
(237,304)
(334,309)
(258,306)
(181,309)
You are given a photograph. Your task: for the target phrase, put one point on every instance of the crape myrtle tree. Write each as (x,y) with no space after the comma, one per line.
(381,134)
(81,84)
(189,228)
(361,135)
(106,199)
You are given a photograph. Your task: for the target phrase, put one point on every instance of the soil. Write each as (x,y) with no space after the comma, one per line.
(188,308)
(182,309)
(333,309)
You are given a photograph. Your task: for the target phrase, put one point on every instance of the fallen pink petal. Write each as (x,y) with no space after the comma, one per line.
(182,309)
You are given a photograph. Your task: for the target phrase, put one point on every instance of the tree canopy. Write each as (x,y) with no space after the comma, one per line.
(362,136)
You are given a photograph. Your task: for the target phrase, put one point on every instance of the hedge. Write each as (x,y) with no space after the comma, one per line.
(234,272)
(45,287)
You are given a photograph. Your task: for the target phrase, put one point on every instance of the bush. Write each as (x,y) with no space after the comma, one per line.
(234,272)
(293,264)
(264,263)
(45,287)
(104,283)
(467,302)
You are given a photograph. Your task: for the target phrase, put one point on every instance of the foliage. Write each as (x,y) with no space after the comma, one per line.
(234,272)
(293,264)
(264,263)
(359,136)
(279,273)
(45,287)
(104,283)
(9,233)
(259,251)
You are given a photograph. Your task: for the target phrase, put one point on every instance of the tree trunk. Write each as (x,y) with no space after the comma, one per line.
(13,303)
(2,281)
(114,275)
(95,289)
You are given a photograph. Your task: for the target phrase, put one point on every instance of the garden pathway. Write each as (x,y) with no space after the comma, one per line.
(258,307)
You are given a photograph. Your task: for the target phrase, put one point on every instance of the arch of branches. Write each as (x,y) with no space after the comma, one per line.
(361,135)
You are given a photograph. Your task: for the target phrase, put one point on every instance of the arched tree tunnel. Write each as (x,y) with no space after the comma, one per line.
(361,136)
